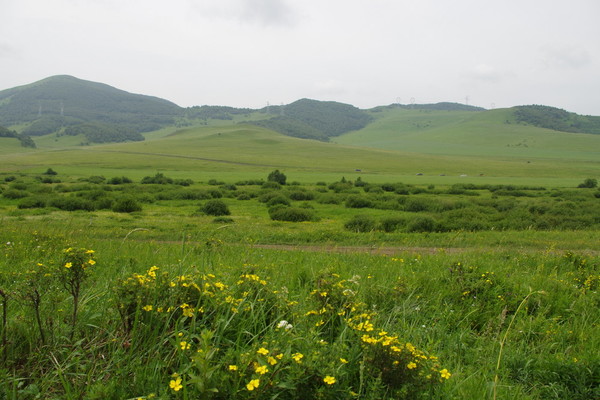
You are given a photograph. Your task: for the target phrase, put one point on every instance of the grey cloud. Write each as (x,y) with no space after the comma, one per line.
(256,12)
(268,12)
(486,73)
(565,57)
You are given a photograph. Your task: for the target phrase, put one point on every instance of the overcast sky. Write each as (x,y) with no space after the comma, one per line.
(245,53)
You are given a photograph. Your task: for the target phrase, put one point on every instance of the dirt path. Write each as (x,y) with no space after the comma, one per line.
(390,251)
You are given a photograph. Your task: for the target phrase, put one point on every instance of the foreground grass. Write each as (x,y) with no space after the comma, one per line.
(203,319)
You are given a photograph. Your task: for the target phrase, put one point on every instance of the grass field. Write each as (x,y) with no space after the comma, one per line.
(391,286)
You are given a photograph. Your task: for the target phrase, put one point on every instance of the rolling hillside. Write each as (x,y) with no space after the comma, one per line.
(67,105)
(496,133)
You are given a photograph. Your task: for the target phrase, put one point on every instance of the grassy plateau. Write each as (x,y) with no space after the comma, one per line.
(430,255)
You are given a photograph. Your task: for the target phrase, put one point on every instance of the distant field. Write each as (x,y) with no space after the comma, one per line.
(235,151)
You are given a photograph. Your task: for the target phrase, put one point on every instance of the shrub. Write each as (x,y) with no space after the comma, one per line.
(279,199)
(159,178)
(32,202)
(422,224)
(266,197)
(290,214)
(223,220)
(391,224)
(244,196)
(358,202)
(126,205)
(300,195)
(15,194)
(97,179)
(215,208)
(329,199)
(72,203)
(271,185)
(361,223)
(589,183)
(277,176)
(119,180)
(50,171)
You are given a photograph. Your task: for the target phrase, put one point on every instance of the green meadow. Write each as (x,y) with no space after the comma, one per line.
(430,255)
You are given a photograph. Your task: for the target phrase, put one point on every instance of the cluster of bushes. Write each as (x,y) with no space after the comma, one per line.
(412,208)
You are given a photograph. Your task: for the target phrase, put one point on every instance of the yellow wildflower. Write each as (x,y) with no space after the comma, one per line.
(411,365)
(253,384)
(330,380)
(445,374)
(297,357)
(262,351)
(175,384)
(233,367)
(184,345)
(147,307)
(262,370)
(68,265)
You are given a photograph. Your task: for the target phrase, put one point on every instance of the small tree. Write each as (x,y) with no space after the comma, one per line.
(277,176)
(589,183)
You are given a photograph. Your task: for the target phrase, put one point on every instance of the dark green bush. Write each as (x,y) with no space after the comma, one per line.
(119,180)
(215,208)
(421,223)
(244,196)
(290,214)
(126,205)
(279,199)
(361,223)
(271,185)
(300,195)
(223,220)
(71,203)
(358,202)
(277,176)
(392,224)
(14,194)
(267,196)
(329,198)
(159,179)
(589,183)
(32,202)
(96,179)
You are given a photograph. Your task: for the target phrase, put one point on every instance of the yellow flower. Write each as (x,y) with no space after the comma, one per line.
(253,384)
(271,360)
(411,365)
(175,384)
(91,262)
(262,370)
(445,374)
(68,265)
(147,307)
(90,252)
(297,357)
(330,380)
(262,351)
(184,345)
(233,367)
(343,361)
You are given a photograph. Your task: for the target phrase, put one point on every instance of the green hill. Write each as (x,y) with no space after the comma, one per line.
(557,119)
(470,133)
(67,105)
(312,119)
